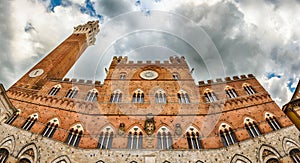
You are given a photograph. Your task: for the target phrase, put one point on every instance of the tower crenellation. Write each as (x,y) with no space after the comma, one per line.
(91,29)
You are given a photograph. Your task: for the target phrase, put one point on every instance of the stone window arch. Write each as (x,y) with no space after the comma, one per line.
(249,89)
(295,155)
(92,95)
(30,121)
(230,92)
(160,96)
(100,161)
(51,128)
(74,136)
(237,158)
(227,134)
(198,161)
(106,138)
(123,75)
(273,123)
(164,138)
(116,96)
(268,154)
(62,159)
(4,153)
(54,90)
(72,92)
(138,96)
(135,138)
(272,160)
(11,119)
(210,95)
(193,138)
(289,144)
(251,127)
(8,143)
(183,97)
(28,154)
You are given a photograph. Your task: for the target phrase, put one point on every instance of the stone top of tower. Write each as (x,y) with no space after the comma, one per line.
(91,28)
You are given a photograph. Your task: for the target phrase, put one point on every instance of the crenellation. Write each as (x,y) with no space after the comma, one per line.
(243,77)
(210,81)
(219,80)
(235,78)
(227,79)
(251,76)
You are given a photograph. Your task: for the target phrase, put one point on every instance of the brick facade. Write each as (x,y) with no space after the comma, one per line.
(195,112)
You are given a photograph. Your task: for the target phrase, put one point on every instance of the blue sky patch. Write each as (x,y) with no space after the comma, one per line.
(290,83)
(90,10)
(53,4)
(273,75)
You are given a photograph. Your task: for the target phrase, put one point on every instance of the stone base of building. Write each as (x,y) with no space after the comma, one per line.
(36,148)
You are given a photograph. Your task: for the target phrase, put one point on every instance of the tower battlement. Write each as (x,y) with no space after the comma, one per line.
(177,61)
(226,79)
(91,28)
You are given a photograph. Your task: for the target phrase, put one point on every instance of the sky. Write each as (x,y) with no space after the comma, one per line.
(218,38)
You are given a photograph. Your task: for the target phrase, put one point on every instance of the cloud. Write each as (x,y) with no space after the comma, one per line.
(253,42)
(7,65)
(112,8)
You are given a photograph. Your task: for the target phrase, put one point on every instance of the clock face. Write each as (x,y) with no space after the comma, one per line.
(36,72)
(149,75)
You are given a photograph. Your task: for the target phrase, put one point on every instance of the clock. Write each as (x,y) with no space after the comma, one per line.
(149,74)
(36,72)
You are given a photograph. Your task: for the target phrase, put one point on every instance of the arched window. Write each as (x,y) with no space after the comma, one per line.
(193,138)
(3,155)
(249,89)
(251,127)
(74,135)
(160,97)
(272,160)
(231,93)
(92,95)
(72,92)
(183,97)
(24,160)
(138,96)
(227,134)
(11,119)
(106,138)
(295,155)
(270,118)
(210,96)
(50,128)
(116,96)
(164,138)
(175,76)
(54,90)
(30,121)
(122,75)
(135,138)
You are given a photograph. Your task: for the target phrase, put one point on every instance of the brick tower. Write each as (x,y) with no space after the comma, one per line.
(143,112)
(61,59)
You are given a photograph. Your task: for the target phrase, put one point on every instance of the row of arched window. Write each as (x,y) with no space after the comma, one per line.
(210,95)
(91,95)
(270,155)
(135,134)
(160,95)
